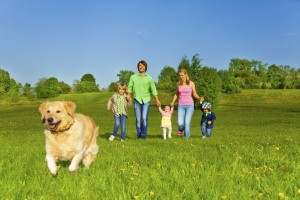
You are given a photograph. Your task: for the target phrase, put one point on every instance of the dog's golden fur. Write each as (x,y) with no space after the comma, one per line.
(69,136)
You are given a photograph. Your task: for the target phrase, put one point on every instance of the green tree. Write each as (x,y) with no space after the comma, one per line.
(233,85)
(88,77)
(47,88)
(275,76)
(209,84)
(8,84)
(191,67)
(86,84)
(4,82)
(28,92)
(113,87)
(124,76)
(65,88)
(167,79)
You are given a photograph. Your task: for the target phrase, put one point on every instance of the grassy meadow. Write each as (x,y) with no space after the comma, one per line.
(253,153)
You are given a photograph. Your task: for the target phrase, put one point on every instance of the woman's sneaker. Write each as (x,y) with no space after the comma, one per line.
(111,138)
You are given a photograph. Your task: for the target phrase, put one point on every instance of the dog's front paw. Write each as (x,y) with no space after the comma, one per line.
(53,170)
(73,168)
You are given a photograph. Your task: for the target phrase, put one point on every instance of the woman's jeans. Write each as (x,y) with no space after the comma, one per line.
(141,114)
(120,120)
(185,114)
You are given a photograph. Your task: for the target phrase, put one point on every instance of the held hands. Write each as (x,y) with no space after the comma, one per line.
(158,104)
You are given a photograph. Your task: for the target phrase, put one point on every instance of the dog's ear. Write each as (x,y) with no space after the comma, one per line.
(70,107)
(42,110)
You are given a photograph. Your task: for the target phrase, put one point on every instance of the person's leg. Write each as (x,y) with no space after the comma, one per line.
(138,116)
(164,133)
(203,130)
(180,120)
(187,121)
(116,125)
(144,122)
(123,126)
(170,132)
(208,132)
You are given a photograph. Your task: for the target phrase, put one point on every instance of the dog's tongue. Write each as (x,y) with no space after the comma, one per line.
(51,126)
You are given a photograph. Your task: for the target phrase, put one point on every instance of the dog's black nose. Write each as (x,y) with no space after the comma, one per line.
(50,120)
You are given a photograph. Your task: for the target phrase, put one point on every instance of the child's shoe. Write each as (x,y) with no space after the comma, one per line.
(111,138)
(122,140)
(203,136)
(179,133)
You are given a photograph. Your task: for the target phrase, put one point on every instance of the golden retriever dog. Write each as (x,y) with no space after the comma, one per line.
(69,136)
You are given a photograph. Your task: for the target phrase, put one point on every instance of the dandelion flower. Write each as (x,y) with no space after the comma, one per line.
(151,193)
(299,191)
(277,148)
(135,197)
(281,195)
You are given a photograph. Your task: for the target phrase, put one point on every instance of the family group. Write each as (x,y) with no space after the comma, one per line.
(140,88)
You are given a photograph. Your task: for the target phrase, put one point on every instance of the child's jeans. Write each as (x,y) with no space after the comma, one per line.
(120,121)
(206,131)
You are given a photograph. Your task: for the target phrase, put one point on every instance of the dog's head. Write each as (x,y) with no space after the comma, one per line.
(57,115)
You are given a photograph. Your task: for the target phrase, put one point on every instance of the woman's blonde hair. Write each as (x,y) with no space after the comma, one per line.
(123,86)
(187,76)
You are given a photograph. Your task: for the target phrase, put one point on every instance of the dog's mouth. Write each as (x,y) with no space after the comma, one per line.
(52,126)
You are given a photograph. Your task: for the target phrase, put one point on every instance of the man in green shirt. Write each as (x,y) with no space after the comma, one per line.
(140,85)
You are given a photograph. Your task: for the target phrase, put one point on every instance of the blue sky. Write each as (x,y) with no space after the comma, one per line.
(67,39)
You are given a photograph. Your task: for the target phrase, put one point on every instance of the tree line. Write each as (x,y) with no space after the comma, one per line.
(209,82)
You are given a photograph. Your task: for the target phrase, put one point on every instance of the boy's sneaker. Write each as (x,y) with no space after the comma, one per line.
(111,138)
(179,133)
(122,140)
(203,136)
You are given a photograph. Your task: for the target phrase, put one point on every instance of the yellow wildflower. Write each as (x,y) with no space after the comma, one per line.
(151,193)
(281,195)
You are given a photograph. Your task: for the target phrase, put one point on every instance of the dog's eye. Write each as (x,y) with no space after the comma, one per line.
(48,111)
(58,111)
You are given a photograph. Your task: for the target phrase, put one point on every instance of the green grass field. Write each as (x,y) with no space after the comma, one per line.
(253,153)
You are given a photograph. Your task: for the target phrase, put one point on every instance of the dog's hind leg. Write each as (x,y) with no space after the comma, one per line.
(90,156)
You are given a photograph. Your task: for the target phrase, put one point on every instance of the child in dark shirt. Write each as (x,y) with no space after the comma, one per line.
(207,120)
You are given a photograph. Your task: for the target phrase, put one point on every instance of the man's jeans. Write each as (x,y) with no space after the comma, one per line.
(141,114)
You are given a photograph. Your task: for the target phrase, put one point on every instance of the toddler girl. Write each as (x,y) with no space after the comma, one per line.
(166,120)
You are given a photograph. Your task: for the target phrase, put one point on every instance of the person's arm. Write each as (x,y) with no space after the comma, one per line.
(172,109)
(130,89)
(160,110)
(154,92)
(158,104)
(174,98)
(195,95)
(109,103)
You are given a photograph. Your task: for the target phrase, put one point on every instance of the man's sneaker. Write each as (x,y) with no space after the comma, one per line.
(122,140)
(179,133)
(111,138)
(203,136)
